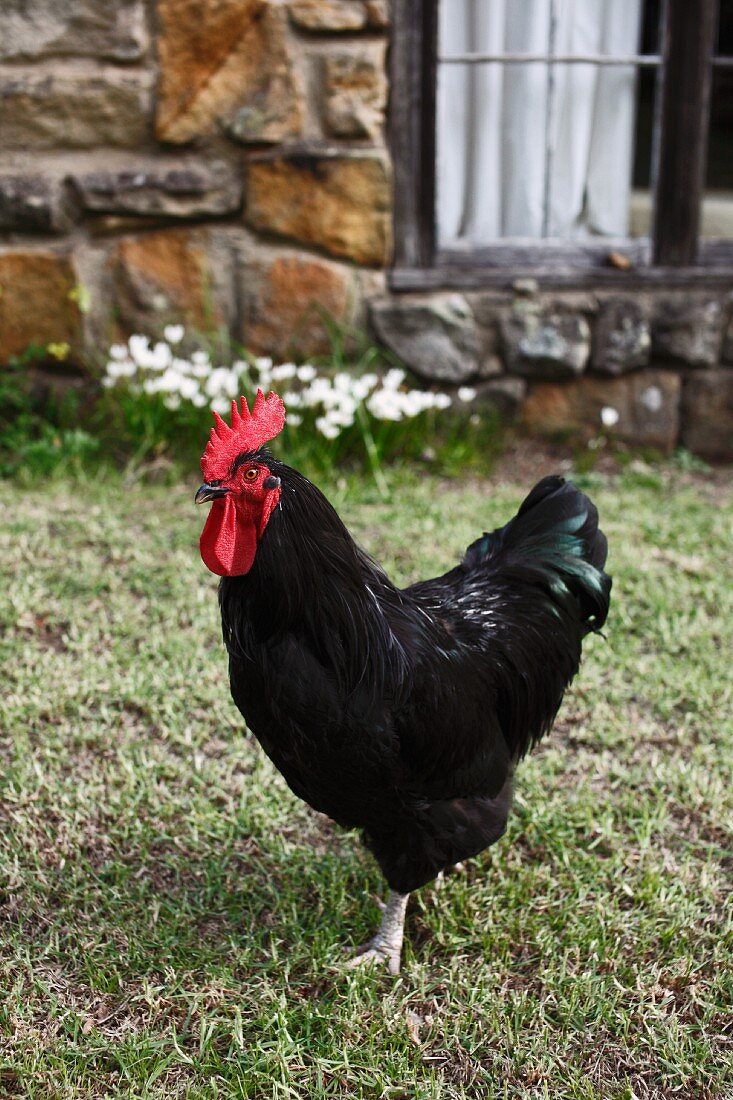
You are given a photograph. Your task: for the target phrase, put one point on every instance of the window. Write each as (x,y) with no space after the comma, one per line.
(559,137)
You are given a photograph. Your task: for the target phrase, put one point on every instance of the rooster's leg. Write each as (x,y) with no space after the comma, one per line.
(386,945)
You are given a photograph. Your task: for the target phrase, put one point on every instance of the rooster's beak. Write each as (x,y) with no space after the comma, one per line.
(209,492)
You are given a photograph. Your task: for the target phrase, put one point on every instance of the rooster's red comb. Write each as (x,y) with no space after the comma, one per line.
(249,430)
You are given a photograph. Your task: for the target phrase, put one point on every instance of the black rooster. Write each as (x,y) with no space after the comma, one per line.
(400,712)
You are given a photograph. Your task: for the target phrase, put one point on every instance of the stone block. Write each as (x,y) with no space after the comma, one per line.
(490,363)
(504,394)
(355,89)
(77,28)
(166,277)
(74,110)
(378,17)
(335,200)
(490,306)
(339,16)
(647,404)
(32,204)
(621,337)
(226,63)
(688,330)
(436,337)
(178,189)
(288,301)
(37,302)
(543,341)
(707,414)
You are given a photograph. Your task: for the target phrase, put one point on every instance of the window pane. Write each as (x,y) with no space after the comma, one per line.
(640,216)
(717,209)
(532,150)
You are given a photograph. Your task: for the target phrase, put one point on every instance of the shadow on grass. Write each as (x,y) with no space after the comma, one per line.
(219,908)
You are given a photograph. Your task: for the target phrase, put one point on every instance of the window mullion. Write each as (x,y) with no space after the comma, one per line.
(689,43)
(549,120)
(412,130)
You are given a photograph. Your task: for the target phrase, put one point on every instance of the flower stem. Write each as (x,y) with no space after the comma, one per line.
(372,452)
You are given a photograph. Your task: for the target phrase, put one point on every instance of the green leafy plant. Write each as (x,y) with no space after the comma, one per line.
(39,435)
(355,408)
(352,408)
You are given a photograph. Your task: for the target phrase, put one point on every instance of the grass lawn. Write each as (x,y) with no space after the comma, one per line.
(170,915)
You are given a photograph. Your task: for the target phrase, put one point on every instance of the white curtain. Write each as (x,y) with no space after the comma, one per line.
(525,150)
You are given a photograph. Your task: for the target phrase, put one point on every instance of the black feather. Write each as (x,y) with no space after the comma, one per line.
(404,713)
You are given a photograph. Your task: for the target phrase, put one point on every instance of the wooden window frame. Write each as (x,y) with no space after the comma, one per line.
(674,256)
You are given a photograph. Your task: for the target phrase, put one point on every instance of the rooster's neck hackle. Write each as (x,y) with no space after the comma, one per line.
(311,577)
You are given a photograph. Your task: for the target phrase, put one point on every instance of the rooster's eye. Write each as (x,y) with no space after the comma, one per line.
(251,473)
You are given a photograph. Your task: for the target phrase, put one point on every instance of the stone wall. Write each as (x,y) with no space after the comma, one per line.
(223,163)
(216,162)
(662,361)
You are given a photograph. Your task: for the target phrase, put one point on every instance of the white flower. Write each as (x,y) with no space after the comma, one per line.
(188,388)
(306,373)
(183,366)
(118,351)
(138,346)
(413,403)
(201,358)
(199,400)
(160,357)
(283,372)
(222,382)
(609,416)
(241,369)
(393,379)
(264,363)
(441,401)
(326,427)
(172,401)
(292,399)
(173,333)
(343,382)
(170,382)
(320,393)
(346,403)
(120,369)
(157,358)
(307,400)
(221,405)
(108,383)
(342,417)
(363,386)
(294,420)
(385,405)
(466,393)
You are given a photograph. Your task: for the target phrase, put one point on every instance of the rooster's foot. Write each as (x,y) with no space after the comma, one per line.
(386,945)
(375,952)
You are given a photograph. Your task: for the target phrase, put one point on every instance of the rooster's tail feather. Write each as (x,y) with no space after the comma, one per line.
(554,541)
